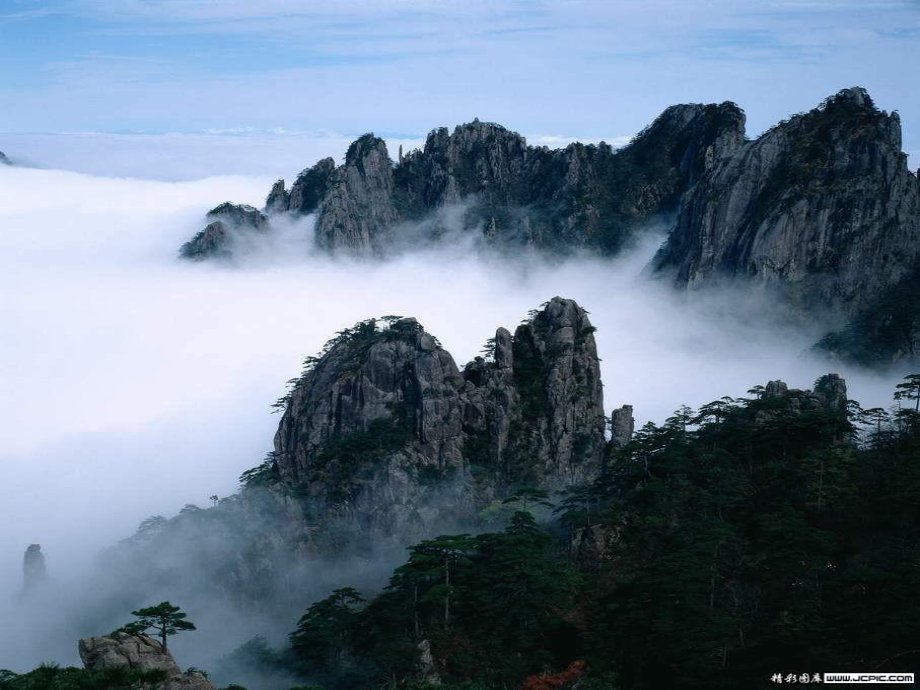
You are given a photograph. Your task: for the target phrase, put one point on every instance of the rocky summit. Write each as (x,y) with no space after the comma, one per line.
(219,237)
(823,208)
(384,421)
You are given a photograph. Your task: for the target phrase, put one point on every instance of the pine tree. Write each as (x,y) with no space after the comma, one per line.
(164,618)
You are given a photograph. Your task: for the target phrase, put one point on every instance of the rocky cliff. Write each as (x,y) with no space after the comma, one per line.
(142,653)
(821,208)
(4,160)
(384,429)
(508,193)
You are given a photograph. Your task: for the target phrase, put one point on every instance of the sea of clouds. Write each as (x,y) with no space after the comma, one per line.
(135,383)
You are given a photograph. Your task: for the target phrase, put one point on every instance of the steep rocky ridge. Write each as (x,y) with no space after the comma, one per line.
(821,207)
(581,196)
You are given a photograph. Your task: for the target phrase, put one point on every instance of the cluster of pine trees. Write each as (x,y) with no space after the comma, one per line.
(767,535)
(752,537)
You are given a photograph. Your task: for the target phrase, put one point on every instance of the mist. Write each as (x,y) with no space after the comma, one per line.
(135,383)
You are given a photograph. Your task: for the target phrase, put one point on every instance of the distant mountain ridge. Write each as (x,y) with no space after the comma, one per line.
(821,208)
(582,196)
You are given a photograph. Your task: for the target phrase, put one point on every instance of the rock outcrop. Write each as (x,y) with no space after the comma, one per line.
(509,193)
(357,209)
(34,574)
(829,395)
(622,426)
(228,222)
(309,188)
(821,208)
(384,423)
(142,653)
(4,160)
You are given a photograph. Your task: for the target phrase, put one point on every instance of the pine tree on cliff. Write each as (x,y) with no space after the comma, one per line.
(164,618)
(909,390)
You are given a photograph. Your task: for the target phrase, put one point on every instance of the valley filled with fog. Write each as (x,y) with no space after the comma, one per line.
(136,383)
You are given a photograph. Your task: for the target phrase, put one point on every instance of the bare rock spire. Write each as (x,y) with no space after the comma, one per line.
(34,574)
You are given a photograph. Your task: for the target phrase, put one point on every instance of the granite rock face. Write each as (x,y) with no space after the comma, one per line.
(536,411)
(305,194)
(622,426)
(821,208)
(227,223)
(357,209)
(384,421)
(142,653)
(139,652)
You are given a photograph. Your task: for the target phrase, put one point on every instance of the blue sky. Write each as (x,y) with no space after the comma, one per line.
(400,67)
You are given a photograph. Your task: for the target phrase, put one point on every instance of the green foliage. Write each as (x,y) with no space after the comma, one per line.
(755,540)
(528,497)
(322,633)
(493,604)
(52,677)
(164,618)
(265,474)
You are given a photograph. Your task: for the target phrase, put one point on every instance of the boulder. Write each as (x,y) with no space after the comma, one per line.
(139,652)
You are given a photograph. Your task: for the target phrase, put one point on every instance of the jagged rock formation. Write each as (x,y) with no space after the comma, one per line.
(142,653)
(830,392)
(34,574)
(384,421)
(622,426)
(357,209)
(218,238)
(4,160)
(306,193)
(511,193)
(822,207)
